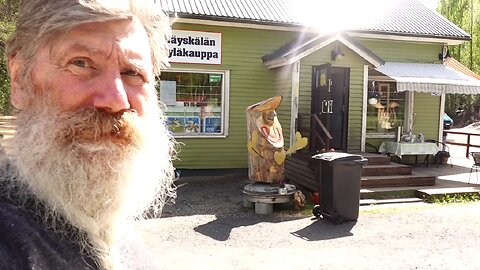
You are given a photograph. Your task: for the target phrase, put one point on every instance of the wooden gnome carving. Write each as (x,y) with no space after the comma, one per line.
(266,154)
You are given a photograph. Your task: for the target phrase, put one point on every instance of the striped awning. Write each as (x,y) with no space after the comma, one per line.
(430,78)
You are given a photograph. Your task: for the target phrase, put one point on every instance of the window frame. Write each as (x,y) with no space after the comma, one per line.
(390,134)
(224,106)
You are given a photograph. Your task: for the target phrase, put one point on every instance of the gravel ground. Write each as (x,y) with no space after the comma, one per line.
(208,228)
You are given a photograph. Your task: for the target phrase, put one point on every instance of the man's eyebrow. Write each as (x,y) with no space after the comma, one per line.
(80,47)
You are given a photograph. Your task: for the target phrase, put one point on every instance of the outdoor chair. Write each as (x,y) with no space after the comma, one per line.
(443,155)
(475,166)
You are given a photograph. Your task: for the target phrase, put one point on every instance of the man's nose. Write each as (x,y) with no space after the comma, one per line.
(111,94)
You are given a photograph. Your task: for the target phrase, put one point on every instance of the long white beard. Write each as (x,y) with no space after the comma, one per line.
(93,173)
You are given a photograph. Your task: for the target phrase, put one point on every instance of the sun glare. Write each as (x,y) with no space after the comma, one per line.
(340,15)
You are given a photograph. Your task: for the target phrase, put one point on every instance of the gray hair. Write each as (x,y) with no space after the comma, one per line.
(40,21)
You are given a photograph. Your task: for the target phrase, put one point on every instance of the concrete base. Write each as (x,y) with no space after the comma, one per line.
(247,203)
(262,196)
(263,208)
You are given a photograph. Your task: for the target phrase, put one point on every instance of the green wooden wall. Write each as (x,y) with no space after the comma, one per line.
(396,51)
(426,106)
(250,82)
(283,87)
(350,60)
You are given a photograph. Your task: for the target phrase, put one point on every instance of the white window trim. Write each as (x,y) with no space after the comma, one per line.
(364,108)
(376,135)
(295,92)
(225,102)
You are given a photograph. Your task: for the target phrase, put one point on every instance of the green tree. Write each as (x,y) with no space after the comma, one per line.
(465,14)
(8,14)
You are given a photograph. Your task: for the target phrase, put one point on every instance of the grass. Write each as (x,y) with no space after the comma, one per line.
(390,194)
(434,200)
(455,198)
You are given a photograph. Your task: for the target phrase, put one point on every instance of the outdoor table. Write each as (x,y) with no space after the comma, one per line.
(401,149)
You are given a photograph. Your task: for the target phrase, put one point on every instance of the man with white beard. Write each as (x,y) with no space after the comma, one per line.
(92,151)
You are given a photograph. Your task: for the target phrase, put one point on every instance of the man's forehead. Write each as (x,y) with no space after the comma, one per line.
(105,38)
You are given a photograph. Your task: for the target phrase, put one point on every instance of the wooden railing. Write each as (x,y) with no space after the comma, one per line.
(320,138)
(468,144)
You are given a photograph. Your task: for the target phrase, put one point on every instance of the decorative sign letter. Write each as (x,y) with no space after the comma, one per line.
(195,47)
(327,106)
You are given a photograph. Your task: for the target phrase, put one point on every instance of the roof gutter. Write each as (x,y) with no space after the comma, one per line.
(291,27)
(408,37)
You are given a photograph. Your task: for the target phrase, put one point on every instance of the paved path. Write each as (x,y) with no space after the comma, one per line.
(208,228)
(410,236)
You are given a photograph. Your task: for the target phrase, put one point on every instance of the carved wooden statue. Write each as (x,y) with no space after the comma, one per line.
(266,154)
(265,138)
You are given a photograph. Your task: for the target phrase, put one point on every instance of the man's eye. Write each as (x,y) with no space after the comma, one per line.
(81,62)
(134,76)
(131,72)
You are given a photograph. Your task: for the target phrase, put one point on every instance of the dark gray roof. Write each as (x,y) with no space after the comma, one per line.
(404,17)
(252,11)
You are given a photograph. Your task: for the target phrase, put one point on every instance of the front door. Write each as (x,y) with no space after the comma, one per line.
(330,90)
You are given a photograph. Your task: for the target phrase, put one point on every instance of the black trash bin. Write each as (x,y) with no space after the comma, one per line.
(340,176)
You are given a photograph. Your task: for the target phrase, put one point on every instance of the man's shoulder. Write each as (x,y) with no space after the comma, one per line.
(26,244)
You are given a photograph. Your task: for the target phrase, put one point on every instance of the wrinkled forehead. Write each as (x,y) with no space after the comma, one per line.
(127,38)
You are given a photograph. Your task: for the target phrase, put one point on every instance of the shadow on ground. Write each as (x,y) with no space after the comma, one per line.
(319,229)
(221,195)
(220,228)
(323,229)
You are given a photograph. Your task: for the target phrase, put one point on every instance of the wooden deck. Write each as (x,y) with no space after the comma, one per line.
(302,170)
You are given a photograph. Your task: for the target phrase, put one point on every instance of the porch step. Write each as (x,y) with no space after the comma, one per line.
(299,170)
(376,159)
(389,201)
(386,169)
(397,181)
(389,195)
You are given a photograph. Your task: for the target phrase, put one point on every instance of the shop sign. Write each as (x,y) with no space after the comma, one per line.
(195,47)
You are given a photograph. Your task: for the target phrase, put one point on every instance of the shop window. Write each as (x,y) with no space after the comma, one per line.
(385,109)
(195,102)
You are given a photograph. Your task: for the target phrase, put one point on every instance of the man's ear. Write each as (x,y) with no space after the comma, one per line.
(17,96)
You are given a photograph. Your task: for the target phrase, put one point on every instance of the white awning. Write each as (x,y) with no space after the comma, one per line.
(430,78)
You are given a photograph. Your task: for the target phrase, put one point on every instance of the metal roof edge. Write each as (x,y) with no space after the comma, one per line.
(292,56)
(301,28)
(395,37)
(361,50)
(451,23)
(232,20)
(411,35)
(290,28)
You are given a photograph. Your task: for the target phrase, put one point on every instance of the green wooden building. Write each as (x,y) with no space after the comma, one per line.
(365,81)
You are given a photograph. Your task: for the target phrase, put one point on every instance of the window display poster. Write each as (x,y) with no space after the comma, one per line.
(192,124)
(212,124)
(168,92)
(176,124)
(184,124)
